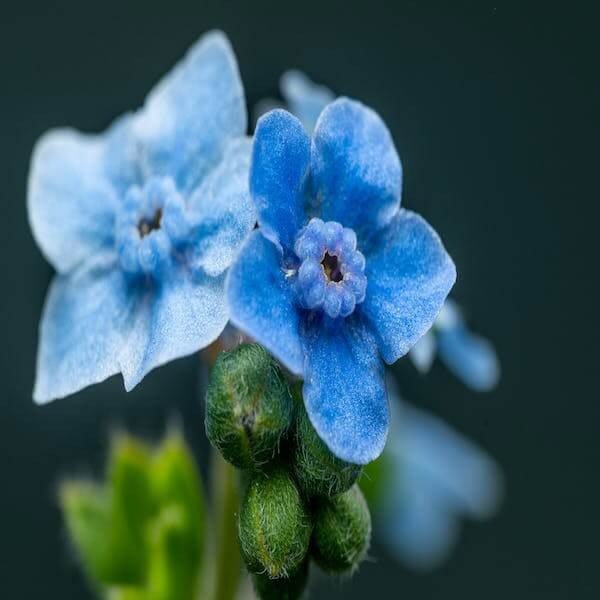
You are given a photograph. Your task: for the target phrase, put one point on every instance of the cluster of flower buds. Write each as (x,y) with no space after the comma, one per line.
(300,502)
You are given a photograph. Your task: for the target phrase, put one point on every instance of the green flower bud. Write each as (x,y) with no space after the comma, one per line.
(375,479)
(317,470)
(291,588)
(342,531)
(274,527)
(248,406)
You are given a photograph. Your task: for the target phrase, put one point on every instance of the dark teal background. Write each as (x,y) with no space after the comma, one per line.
(494,110)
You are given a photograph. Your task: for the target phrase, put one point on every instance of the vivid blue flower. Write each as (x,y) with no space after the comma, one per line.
(337,276)
(470,357)
(435,477)
(141,223)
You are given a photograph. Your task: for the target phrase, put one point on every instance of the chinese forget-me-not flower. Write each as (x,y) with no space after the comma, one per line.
(469,356)
(433,478)
(338,276)
(141,223)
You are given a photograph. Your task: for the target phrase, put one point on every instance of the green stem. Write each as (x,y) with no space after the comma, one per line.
(225,505)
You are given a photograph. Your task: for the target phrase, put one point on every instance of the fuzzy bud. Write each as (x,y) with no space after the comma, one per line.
(274,526)
(248,406)
(342,531)
(318,471)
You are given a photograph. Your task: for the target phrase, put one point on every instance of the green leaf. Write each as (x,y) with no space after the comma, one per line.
(175,481)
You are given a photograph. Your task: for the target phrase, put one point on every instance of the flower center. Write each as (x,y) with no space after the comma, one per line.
(152,227)
(331,275)
(145,226)
(331,266)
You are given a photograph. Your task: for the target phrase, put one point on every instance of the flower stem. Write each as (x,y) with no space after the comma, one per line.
(225,506)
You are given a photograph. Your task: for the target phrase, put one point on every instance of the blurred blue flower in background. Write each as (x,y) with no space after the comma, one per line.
(470,357)
(434,477)
(338,276)
(141,223)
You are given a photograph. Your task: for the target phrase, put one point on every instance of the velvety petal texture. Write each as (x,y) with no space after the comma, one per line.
(192,114)
(185,313)
(222,211)
(141,222)
(261,301)
(71,205)
(280,161)
(84,328)
(344,388)
(409,275)
(336,277)
(355,167)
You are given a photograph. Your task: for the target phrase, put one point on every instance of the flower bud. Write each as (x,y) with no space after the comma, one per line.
(291,588)
(274,526)
(318,471)
(342,531)
(248,406)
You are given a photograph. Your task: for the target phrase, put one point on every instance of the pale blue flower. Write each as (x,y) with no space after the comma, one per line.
(469,356)
(141,223)
(435,477)
(338,276)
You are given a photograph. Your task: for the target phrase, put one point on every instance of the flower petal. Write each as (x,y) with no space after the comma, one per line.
(70,202)
(280,161)
(193,112)
(344,388)
(222,209)
(423,352)
(355,167)
(305,98)
(261,301)
(470,357)
(460,475)
(185,314)
(83,329)
(409,275)
(419,531)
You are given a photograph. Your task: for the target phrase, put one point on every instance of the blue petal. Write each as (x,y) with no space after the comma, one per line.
(305,98)
(461,476)
(70,202)
(83,329)
(261,301)
(409,275)
(222,210)
(355,167)
(193,112)
(183,315)
(423,352)
(280,160)
(418,531)
(470,357)
(344,388)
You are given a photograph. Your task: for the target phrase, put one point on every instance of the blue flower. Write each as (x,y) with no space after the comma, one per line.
(337,276)
(141,223)
(470,357)
(435,477)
